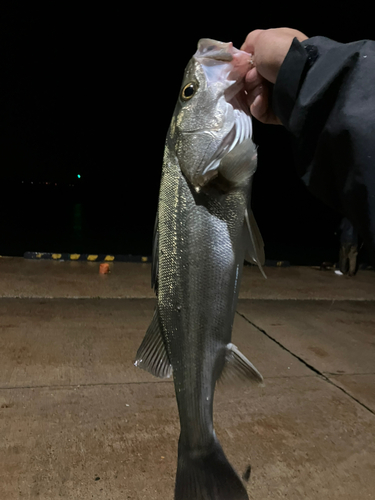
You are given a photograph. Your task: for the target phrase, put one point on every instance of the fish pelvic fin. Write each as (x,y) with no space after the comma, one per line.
(254,246)
(238,367)
(207,475)
(152,354)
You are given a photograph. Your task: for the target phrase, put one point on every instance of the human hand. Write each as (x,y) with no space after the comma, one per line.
(268,49)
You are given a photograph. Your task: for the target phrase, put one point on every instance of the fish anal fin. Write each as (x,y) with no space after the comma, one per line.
(152,354)
(238,367)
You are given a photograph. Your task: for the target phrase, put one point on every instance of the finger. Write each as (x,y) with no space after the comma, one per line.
(292,33)
(252,80)
(254,85)
(261,110)
(249,43)
(251,96)
(253,77)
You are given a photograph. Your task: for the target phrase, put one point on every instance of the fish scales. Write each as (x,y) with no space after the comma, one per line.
(198,261)
(204,228)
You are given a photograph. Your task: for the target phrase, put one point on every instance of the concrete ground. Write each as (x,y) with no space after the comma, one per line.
(78,421)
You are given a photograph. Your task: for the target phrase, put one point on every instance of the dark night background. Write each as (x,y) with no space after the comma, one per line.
(91,91)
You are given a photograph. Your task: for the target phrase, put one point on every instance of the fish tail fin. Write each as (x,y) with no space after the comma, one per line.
(207,476)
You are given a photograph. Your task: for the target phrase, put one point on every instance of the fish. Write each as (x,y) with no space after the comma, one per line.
(204,230)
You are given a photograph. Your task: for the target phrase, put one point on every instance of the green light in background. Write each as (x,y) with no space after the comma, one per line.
(79,176)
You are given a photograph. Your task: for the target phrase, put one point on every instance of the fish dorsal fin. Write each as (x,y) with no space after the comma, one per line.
(254,245)
(237,366)
(152,354)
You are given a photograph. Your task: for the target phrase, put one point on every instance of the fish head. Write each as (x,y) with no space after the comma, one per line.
(211,115)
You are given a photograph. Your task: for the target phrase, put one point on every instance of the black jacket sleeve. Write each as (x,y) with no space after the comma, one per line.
(325,97)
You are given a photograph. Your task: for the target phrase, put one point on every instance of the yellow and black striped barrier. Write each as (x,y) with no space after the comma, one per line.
(86,257)
(117,258)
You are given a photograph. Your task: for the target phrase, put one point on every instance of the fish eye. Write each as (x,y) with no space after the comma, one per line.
(188,91)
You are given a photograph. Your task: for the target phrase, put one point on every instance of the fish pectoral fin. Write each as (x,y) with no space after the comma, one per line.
(239,165)
(152,354)
(237,366)
(254,245)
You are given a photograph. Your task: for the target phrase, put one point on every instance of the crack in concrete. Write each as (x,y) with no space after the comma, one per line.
(311,367)
(78,386)
(333,374)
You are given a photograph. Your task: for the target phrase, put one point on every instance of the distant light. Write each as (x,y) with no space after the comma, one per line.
(79,176)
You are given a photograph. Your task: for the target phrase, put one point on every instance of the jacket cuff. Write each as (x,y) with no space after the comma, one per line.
(291,75)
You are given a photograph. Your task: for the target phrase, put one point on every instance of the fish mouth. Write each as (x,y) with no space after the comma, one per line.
(222,62)
(212,49)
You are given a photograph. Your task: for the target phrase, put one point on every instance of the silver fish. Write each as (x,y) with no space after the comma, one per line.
(203,230)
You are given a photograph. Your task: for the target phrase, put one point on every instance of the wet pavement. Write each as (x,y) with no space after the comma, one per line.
(78,421)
